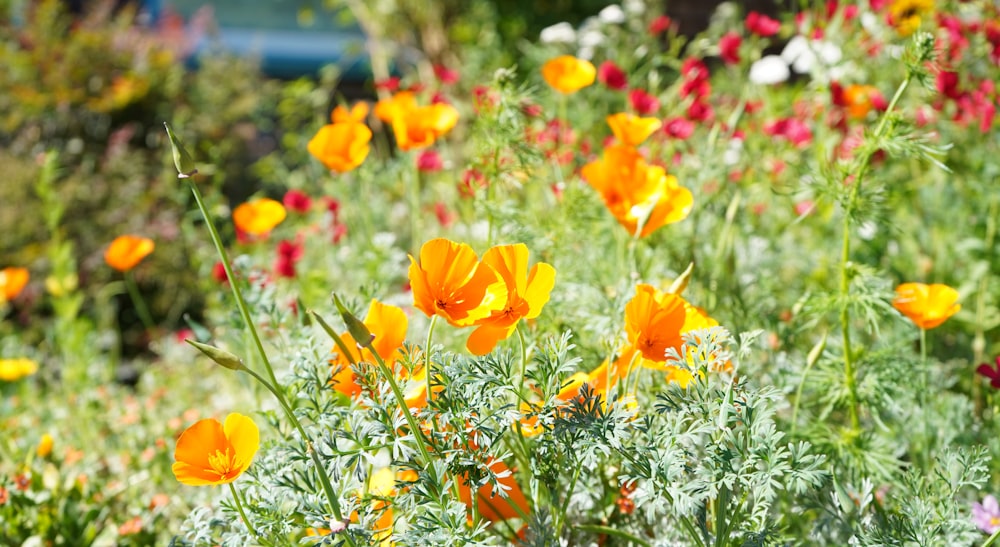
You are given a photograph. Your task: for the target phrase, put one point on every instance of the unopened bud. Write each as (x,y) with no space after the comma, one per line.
(355,327)
(681,283)
(220,356)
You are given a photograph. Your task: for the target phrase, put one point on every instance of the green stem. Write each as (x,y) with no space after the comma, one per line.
(925,374)
(990,540)
(609,531)
(243,515)
(237,295)
(140,305)
(427,359)
(561,519)
(845,257)
(519,388)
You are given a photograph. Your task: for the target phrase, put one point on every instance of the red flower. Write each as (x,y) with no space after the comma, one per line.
(219,273)
(990,372)
(484,98)
(659,25)
(445,217)
(947,84)
(700,111)
(613,77)
(429,161)
(339,232)
(390,84)
(472,180)
(729,48)
(643,103)
(445,74)
(762,25)
(793,129)
(694,69)
(297,201)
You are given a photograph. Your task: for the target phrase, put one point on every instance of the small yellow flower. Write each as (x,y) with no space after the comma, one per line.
(567,74)
(12,370)
(906,15)
(45,446)
(259,216)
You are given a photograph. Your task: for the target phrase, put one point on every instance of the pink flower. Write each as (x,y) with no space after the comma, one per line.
(729,48)
(429,161)
(484,98)
(297,201)
(611,76)
(445,74)
(792,129)
(643,103)
(445,217)
(762,25)
(678,128)
(986,515)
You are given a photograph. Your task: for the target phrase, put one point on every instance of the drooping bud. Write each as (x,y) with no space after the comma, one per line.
(355,326)
(220,356)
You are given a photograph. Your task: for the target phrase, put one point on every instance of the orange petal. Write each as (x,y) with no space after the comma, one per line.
(200,440)
(244,436)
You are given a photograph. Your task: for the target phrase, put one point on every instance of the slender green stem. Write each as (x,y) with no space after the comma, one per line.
(990,540)
(237,295)
(140,305)
(324,479)
(721,526)
(561,518)
(845,257)
(925,377)
(243,515)
(427,359)
(609,531)
(519,387)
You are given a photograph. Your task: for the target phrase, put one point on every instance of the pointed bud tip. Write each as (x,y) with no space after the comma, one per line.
(220,356)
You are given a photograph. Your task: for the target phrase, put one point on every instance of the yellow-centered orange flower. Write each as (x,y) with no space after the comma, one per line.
(653,322)
(567,74)
(356,114)
(419,127)
(125,252)
(527,293)
(259,216)
(450,282)
(341,146)
(926,305)
(388,324)
(210,452)
(630,129)
(12,282)
(635,192)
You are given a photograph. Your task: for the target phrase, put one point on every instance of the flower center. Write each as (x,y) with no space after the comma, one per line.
(222,462)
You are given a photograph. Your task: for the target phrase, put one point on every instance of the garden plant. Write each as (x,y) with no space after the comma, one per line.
(622,287)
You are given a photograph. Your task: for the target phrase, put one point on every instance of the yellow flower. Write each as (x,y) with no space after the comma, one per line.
(259,216)
(12,370)
(567,74)
(210,452)
(926,305)
(631,129)
(125,252)
(45,446)
(906,15)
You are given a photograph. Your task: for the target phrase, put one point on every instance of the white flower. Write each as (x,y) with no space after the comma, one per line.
(612,15)
(770,69)
(558,33)
(591,38)
(634,6)
(802,54)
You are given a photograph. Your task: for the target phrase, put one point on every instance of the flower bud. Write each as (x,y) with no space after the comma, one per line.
(222,357)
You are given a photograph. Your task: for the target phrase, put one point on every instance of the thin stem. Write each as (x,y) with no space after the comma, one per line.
(845,257)
(140,305)
(427,359)
(565,505)
(925,374)
(240,303)
(609,531)
(990,540)
(519,388)
(243,515)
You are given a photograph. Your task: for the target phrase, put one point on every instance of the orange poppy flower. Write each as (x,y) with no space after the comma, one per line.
(493,507)
(420,126)
(567,74)
(125,252)
(388,109)
(259,216)
(44,447)
(388,324)
(12,282)
(631,129)
(860,99)
(209,452)
(449,281)
(634,191)
(926,305)
(527,293)
(653,322)
(341,146)
(356,114)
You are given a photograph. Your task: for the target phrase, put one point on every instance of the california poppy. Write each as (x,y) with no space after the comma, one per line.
(388,109)
(12,282)
(494,507)
(653,322)
(342,146)
(861,99)
(419,127)
(635,192)
(125,252)
(527,293)
(449,281)
(567,74)
(259,216)
(388,324)
(356,114)
(926,305)
(210,452)
(631,129)
(906,15)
